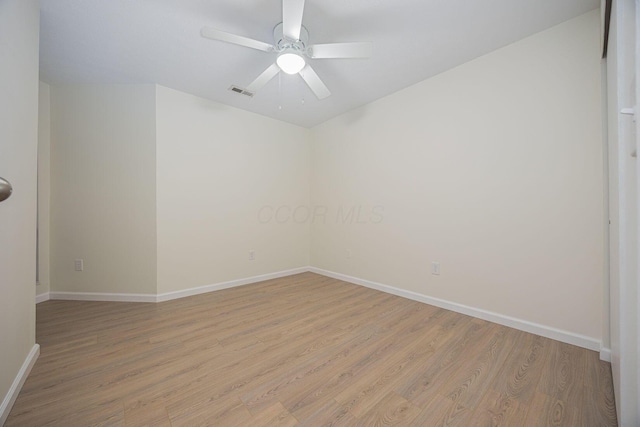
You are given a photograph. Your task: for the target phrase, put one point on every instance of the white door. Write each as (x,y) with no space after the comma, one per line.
(623,73)
(18,150)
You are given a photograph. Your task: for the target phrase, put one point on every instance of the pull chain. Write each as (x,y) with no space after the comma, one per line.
(280,91)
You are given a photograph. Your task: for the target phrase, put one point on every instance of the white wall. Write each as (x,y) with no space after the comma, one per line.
(44,187)
(222,173)
(494,169)
(19,28)
(103,188)
(124,157)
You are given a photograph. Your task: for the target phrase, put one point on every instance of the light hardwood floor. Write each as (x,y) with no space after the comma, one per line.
(304,350)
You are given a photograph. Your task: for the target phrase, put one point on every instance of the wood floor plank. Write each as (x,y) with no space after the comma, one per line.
(237,372)
(563,376)
(556,413)
(470,382)
(156,416)
(275,415)
(598,403)
(500,409)
(327,360)
(514,387)
(226,411)
(431,377)
(330,414)
(465,388)
(402,335)
(441,411)
(365,393)
(304,350)
(394,410)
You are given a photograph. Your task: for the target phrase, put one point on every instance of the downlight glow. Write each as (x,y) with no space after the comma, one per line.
(290,61)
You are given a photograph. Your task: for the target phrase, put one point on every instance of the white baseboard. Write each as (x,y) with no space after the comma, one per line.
(18,382)
(100,296)
(119,297)
(605,354)
(512,322)
(42,297)
(230,284)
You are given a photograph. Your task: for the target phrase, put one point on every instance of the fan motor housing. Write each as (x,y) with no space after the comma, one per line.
(282,42)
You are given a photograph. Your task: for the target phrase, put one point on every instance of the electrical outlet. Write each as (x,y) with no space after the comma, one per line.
(252,255)
(79,265)
(435,268)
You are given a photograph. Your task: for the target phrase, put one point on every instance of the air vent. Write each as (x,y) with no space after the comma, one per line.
(241,91)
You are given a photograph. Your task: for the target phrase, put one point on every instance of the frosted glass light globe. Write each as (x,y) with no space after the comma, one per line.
(290,62)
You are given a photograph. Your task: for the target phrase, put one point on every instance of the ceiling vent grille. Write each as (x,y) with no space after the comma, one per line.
(241,91)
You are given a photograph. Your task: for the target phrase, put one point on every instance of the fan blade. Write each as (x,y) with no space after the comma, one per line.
(264,78)
(292,18)
(213,34)
(342,50)
(314,82)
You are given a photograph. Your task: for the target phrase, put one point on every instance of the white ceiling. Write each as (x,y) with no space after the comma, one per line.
(158,41)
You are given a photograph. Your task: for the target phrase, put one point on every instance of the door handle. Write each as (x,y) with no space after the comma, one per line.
(5,189)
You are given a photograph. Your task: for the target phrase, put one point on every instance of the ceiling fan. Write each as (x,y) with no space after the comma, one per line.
(292,48)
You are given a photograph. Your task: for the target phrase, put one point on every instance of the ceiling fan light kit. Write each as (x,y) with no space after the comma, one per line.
(290,61)
(291,45)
